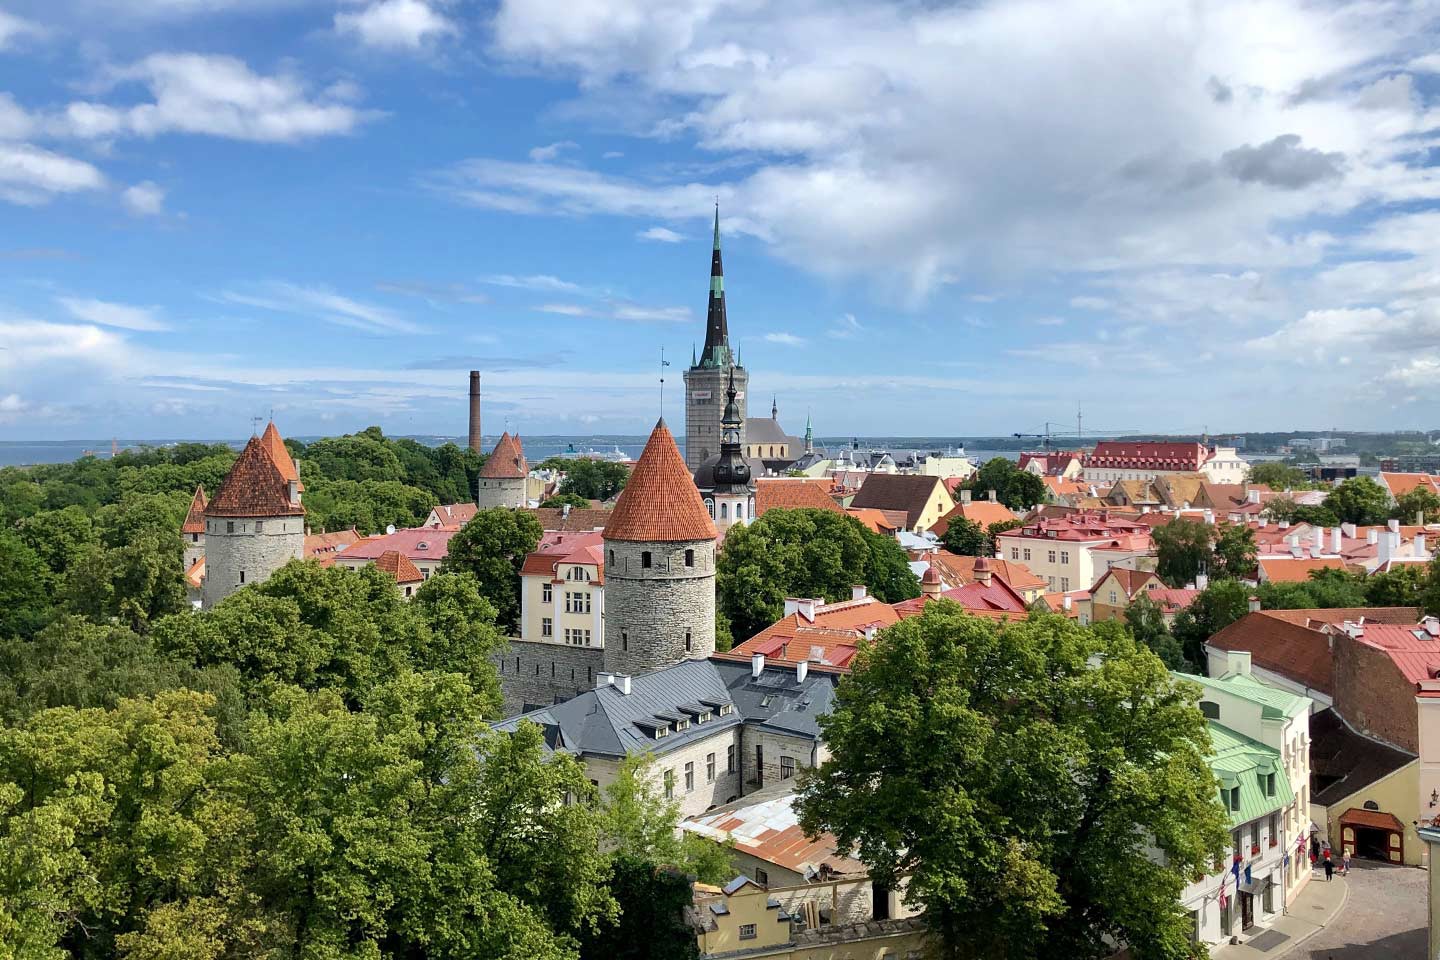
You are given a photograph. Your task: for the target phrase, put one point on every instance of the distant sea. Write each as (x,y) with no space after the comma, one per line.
(537,448)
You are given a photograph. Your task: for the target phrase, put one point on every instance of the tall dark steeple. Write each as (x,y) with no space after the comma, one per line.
(717,331)
(732,473)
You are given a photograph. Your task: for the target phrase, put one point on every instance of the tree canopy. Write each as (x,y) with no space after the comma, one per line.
(1011,771)
(592,479)
(804,553)
(1017,489)
(1359,500)
(1183,550)
(491,547)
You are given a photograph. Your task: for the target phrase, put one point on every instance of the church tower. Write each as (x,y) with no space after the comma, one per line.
(659,566)
(255,523)
(729,490)
(705,381)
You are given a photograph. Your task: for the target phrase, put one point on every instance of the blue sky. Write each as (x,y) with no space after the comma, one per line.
(939,219)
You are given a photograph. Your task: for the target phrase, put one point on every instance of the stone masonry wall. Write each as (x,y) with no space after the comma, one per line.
(1373,696)
(540,674)
(194,549)
(703,414)
(257,555)
(500,493)
(706,794)
(774,747)
(648,611)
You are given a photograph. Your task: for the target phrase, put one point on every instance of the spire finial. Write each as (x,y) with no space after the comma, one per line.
(717,223)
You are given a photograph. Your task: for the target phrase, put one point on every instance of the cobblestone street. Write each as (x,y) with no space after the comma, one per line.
(1383,919)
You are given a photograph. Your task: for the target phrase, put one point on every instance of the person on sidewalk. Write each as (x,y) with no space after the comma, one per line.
(1329,868)
(1314,850)
(1345,864)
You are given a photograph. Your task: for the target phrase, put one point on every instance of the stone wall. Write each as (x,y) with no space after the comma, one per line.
(705,405)
(243,551)
(194,549)
(706,794)
(500,493)
(650,610)
(540,674)
(1372,695)
(774,747)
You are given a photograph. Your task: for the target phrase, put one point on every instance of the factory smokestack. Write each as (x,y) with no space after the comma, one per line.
(475,410)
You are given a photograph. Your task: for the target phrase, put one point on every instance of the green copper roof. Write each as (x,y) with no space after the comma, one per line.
(1247,764)
(1275,704)
(717,286)
(717,226)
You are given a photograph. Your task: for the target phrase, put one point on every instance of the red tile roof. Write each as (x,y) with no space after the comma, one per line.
(1296,570)
(1283,646)
(660,502)
(960,570)
(1088,526)
(399,566)
(1402,483)
(454,514)
(981,512)
(254,487)
(275,446)
(879,521)
(1173,599)
(1338,615)
(1412,647)
(1147,455)
(324,546)
(1051,463)
(828,640)
(995,598)
(195,517)
(418,543)
(1372,818)
(793,493)
(1131,581)
(506,461)
(195,576)
(583,549)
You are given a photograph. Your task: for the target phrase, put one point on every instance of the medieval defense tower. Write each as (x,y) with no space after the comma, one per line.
(706,380)
(659,566)
(255,523)
(502,477)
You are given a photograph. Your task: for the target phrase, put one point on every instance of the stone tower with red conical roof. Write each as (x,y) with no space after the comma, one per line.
(502,477)
(659,566)
(254,524)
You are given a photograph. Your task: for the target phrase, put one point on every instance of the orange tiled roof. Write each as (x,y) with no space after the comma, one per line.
(790,493)
(454,514)
(254,487)
(196,574)
(961,569)
(275,446)
(1400,484)
(981,512)
(1131,581)
(399,566)
(324,546)
(507,460)
(879,521)
(578,520)
(906,492)
(660,502)
(1295,569)
(836,625)
(1277,643)
(195,517)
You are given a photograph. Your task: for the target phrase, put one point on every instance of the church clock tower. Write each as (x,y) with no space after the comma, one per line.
(706,380)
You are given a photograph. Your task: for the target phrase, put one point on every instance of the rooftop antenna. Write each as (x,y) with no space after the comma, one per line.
(255,425)
(663,364)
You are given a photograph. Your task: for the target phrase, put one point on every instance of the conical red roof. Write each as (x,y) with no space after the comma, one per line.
(195,518)
(275,446)
(254,487)
(660,502)
(507,461)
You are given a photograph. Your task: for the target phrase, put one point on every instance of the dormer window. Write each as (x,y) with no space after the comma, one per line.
(661,732)
(682,725)
(726,709)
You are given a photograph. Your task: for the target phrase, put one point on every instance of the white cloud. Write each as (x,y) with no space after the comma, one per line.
(549,152)
(327,305)
(788,339)
(1050,321)
(541,282)
(34,346)
(662,234)
(396,24)
(642,314)
(845,328)
(145,199)
(13,27)
(1090,303)
(108,314)
(565,309)
(214,95)
(30,175)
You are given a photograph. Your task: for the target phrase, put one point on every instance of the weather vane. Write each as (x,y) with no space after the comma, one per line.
(663,364)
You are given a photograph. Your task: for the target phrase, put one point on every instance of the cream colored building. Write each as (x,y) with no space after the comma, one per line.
(1071,552)
(562,593)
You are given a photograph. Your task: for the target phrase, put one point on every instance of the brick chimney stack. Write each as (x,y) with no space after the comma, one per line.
(475,411)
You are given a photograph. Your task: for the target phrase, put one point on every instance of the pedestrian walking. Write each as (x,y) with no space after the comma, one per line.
(1314,850)
(1329,868)
(1345,864)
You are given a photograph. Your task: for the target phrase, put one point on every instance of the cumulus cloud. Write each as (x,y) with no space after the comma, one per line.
(35,345)
(214,95)
(108,314)
(396,24)
(662,234)
(145,199)
(1282,163)
(31,175)
(13,28)
(785,338)
(550,151)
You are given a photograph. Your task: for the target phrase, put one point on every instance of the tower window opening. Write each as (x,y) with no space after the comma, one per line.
(689,558)
(687,641)
(645,559)
(724,513)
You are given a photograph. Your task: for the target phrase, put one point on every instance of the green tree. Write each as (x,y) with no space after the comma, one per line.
(1325,588)
(1235,552)
(1419,503)
(966,538)
(366,455)
(1359,500)
(57,535)
(803,553)
(136,583)
(1400,586)
(591,479)
(1146,622)
(1183,549)
(1278,476)
(367,505)
(651,923)
(1012,772)
(491,548)
(460,635)
(1214,609)
(1017,489)
(565,500)
(637,821)
(24,588)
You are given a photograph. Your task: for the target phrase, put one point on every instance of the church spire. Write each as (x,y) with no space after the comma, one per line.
(809,435)
(717,332)
(774,406)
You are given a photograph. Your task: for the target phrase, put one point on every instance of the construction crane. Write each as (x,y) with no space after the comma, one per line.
(1044,438)
(1048,438)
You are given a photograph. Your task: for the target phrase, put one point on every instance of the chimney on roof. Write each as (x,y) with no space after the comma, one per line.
(990,495)
(982,571)
(1209,516)
(1066,602)
(1348,529)
(1431,625)
(1420,547)
(603,679)
(1355,629)
(757,665)
(965,496)
(1335,543)
(1297,551)
(1284,524)
(1253,604)
(857,591)
(475,445)
(1202,580)
(622,683)
(1252,496)
(1372,536)
(1264,522)
(1386,546)
(1393,526)
(802,669)
(1237,663)
(804,606)
(564,511)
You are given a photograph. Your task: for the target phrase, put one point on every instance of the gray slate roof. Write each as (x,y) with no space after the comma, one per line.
(603,721)
(766,430)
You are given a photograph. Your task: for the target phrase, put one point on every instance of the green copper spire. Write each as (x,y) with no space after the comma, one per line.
(717,332)
(717,224)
